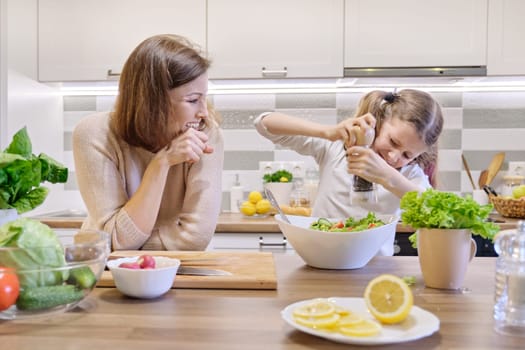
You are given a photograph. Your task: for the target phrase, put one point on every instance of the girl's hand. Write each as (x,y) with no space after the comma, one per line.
(348,129)
(366,163)
(187,147)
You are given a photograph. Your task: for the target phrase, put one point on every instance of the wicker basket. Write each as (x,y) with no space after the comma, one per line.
(512,208)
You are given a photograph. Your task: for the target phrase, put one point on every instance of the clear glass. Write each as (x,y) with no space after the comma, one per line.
(509,294)
(311,184)
(362,192)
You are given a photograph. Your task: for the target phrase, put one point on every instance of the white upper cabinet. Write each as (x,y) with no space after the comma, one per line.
(275,38)
(81,40)
(415,33)
(505,50)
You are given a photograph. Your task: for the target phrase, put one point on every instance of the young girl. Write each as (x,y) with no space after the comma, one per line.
(150,171)
(407,126)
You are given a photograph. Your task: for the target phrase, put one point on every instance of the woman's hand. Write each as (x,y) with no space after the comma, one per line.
(187,147)
(348,129)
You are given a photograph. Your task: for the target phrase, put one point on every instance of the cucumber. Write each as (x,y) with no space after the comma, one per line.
(39,298)
(82,277)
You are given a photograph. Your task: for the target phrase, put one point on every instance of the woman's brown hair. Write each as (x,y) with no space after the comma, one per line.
(415,107)
(157,65)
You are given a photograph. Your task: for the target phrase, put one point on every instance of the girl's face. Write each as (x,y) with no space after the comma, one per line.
(398,142)
(189,105)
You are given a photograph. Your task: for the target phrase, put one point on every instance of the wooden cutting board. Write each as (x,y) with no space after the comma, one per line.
(250,270)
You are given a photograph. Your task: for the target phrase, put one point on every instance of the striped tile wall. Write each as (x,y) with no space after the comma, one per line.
(478,125)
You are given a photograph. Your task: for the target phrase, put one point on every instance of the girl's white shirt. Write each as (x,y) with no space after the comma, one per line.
(333,196)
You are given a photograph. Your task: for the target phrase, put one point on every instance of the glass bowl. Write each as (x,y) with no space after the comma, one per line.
(54,276)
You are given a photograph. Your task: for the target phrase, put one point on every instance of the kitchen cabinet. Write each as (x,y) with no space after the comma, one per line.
(269,242)
(505,49)
(413,33)
(275,39)
(90,40)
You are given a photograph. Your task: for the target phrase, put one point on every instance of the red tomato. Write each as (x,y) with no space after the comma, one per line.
(339,225)
(9,287)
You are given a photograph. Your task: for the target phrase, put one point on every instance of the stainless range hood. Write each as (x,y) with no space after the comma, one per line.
(415,71)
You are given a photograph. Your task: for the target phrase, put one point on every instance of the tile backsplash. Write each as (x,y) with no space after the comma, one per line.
(477,124)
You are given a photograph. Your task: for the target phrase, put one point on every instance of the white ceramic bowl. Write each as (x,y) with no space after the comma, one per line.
(335,250)
(144,283)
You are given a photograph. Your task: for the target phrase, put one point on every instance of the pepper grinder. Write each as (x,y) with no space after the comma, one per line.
(362,191)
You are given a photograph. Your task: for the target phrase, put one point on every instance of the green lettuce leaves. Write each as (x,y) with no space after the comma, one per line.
(21,173)
(438,209)
(38,247)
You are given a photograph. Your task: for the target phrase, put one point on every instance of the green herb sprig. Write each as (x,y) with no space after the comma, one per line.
(278,176)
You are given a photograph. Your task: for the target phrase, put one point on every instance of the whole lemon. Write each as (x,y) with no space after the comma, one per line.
(283,179)
(263,206)
(518,192)
(254,196)
(247,208)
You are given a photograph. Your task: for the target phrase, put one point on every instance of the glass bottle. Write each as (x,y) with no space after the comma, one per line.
(509,296)
(311,184)
(299,196)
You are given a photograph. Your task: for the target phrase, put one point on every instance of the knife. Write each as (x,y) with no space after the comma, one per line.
(199,271)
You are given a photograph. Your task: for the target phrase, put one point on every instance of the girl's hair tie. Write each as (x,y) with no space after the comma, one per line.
(390,97)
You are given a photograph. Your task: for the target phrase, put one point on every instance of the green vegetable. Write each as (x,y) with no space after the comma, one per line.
(409,280)
(21,173)
(278,176)
(350,225)
(46,297)
(437,209)
(40,250)
(82,277)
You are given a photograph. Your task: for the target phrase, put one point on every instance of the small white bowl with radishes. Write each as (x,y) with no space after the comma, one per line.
(144,276)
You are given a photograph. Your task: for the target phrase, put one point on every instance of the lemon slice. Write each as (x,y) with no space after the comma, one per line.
(363,328)
(349,320)
(318,322)
(388,298)
(316,308)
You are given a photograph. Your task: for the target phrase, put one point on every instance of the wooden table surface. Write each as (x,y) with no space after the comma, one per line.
(235,222)
(250,319)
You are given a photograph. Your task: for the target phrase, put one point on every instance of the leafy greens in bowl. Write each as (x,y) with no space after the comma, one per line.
(446,210)
(52,273)
(336,249)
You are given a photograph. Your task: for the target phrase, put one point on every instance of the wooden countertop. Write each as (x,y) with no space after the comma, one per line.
(250,319)
(235,222)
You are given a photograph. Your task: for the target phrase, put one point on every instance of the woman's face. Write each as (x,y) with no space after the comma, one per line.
(189,105)
(398,143)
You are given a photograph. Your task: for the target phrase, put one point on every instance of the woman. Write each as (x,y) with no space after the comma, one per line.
(407,126)
(150,171)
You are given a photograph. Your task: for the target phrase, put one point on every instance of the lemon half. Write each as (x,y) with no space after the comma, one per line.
(388,298)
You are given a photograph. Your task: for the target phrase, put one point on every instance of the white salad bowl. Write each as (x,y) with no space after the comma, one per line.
(144,283)
(335,250)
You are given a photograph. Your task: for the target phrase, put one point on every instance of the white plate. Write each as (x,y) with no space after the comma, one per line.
(419,324)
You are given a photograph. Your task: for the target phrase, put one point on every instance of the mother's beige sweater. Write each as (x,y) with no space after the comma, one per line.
(109,171)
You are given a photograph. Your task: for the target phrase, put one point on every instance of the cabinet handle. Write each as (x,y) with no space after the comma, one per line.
(277,73)
(262,244)
(112,75)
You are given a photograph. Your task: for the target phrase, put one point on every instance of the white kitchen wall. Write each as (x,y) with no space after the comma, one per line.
(30,103)
(477,124)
